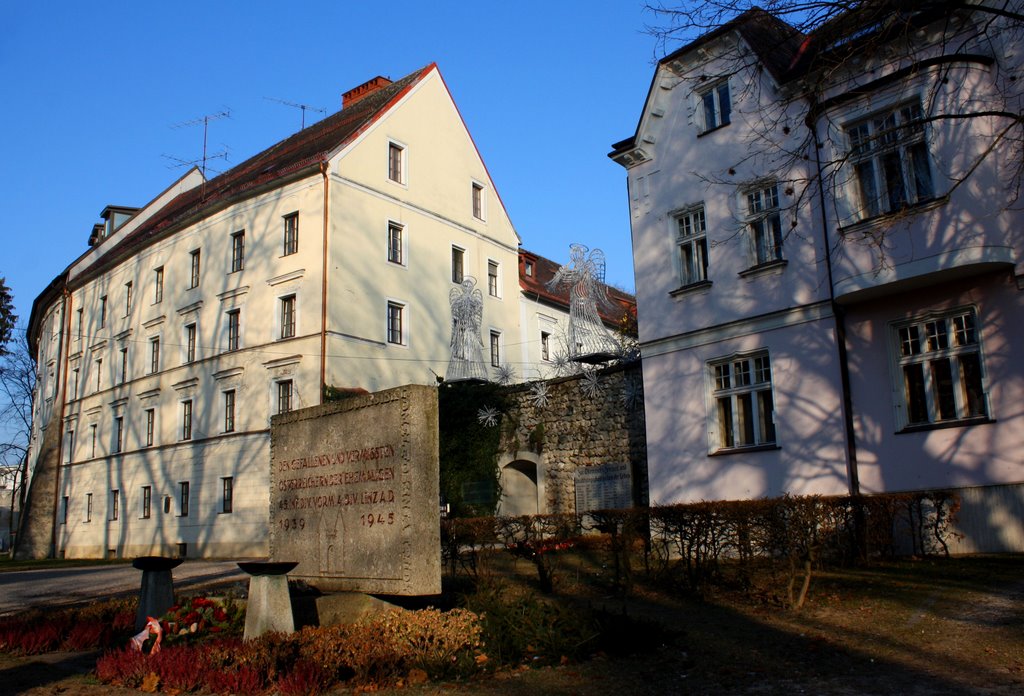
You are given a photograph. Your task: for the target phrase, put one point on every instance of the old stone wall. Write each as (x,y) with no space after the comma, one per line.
(585,420)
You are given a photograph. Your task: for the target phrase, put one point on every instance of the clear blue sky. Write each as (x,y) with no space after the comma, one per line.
(91,91)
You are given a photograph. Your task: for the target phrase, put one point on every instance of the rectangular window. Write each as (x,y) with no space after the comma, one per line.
(496,349)
(545,345)
(478,201)
(395,328)
(284,396)
(458,263)
(190,343)
(234,324)
(229,411)
(238,251)
(183,494)
(492,278)
(115,504)
(150,426)
(227,494)
(94,430)
(118,434)
(147,502)
(64,515)
(194,275)
(291,233)
(154,355)
(81,314)
(99,373)
(103,311)
(395,243)
(396,163)
(940,369)
(744,411)
(186,420)
(128,298)
(124,365)
(69,446)
(890,161)
(158,285)
(692,246)
(716,106)
(88,507)
(288,316)
(764,220)
(74,383)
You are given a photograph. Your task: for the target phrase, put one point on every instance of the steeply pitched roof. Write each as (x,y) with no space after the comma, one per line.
(304,150)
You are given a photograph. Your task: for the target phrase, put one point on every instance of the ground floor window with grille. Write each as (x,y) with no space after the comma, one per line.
(743,413)
(940,370)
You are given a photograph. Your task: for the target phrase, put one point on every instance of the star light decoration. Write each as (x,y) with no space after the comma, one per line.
(487,416)
(589,384)
(506,374)
(632,394)
(539,394)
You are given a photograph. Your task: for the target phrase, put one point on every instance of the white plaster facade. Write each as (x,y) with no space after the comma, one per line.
(163,400)
(744,357)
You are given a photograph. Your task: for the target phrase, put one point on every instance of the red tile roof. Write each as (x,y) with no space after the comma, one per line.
(544,271)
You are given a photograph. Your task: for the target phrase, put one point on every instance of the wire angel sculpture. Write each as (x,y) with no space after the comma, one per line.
(589,339)
(467,357)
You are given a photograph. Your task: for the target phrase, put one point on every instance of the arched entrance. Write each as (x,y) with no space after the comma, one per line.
(522,485)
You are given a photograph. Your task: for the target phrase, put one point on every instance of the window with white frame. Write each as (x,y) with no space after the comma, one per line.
(158,285)
(492,279)
(103,311)
(890,161)
(147,502)
(75,373)
(396,323)
(291,233)
(287,316)
(545,346)
(124,365)
(940,369)
(238,251)
(186,420)
(691,246)
(128,298)
(194,274)
(715,106)
(396,163)
(118,434)
(458,264)
(234,329)
(764,222)
(154,355)
(284,396)
(479,211)
(495,349)
(396,243)
(190,343)
(150,426)
(98,364)
(743,412)
(229,411)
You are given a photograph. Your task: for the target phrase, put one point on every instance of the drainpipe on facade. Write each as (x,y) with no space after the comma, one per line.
(323,295)
(60,374)
(853,478)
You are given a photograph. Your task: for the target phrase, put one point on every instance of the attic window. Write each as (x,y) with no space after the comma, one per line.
(716,107)
(528,268)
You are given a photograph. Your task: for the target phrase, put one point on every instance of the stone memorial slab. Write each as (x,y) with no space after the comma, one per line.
(354,493)
(604,487)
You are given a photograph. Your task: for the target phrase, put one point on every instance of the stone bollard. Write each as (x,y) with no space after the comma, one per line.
(269,607)
(156,595)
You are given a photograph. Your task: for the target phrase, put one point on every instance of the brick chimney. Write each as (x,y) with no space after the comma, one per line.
(364,90)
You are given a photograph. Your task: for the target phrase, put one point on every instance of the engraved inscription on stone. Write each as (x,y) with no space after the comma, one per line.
(604,487)
(354,493)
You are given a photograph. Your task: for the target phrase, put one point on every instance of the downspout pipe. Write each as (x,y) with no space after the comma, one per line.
(323,280)
(839,315)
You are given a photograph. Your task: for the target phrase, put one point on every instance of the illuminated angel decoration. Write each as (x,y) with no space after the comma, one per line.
(467,357)
(589,339)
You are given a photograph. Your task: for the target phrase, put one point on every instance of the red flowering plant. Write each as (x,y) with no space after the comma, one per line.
(199,617)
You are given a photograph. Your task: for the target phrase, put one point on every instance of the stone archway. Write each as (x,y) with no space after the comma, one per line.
(522,484)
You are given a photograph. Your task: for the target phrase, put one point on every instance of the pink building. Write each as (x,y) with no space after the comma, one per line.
(827,242)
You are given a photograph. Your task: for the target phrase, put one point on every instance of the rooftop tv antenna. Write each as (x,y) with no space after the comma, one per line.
(302,107)
(205,120)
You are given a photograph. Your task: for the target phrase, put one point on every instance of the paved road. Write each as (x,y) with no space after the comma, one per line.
(36,588)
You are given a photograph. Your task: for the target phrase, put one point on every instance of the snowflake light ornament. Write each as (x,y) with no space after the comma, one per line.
(632,394)
(539,394)
(487,416)
(506,374)
(589,384)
